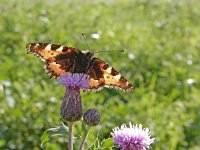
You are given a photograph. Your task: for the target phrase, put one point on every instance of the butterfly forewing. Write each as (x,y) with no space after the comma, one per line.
(58,59)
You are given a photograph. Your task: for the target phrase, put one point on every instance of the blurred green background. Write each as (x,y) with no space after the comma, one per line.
(162,61)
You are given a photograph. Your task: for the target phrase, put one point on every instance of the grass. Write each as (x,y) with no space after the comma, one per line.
(161,39)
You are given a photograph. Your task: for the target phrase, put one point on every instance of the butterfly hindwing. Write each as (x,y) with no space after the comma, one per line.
(53,69)
(97,80)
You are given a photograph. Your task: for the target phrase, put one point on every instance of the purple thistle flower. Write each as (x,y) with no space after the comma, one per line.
(71,109)
(133,137)
(75,80)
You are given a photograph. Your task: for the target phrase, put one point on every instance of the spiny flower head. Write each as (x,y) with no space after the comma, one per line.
(75,80)
(133,137)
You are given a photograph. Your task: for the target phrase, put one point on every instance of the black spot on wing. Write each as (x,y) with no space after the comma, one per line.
(114,72)
(65,48)
(42,45)
(122,79)
(105,66)
(55,46)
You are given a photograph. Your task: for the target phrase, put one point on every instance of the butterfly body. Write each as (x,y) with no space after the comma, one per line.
(62,59)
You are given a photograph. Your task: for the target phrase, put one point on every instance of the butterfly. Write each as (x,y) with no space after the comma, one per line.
(63,59)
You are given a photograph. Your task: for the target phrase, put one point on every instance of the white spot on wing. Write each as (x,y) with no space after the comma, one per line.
(109,69)
(60,49)
(48,47)
(117,77)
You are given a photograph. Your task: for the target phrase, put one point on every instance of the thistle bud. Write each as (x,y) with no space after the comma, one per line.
(71,109)
(91,117)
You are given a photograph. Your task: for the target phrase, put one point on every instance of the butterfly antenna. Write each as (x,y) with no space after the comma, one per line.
(110,51)
(85,41)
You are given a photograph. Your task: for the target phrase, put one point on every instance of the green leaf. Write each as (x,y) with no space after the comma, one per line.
(107,143)
(95,144)
(57,131)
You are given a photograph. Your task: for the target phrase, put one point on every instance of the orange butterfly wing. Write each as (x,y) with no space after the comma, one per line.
(55,64)
(62,59)
(109,77)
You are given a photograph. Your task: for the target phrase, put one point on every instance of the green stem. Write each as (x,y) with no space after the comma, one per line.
(70,138)
(81,147)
